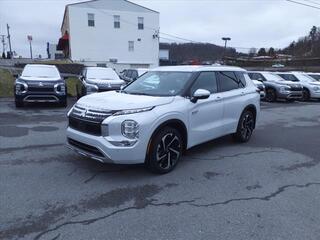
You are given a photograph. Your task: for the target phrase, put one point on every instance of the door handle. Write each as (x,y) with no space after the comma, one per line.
(218,99)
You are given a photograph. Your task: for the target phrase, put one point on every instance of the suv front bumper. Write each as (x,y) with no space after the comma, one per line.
(290,95)
(30,97)
(100,149)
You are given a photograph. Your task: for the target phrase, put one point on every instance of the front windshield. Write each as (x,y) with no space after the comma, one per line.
(102,74)
(315,76)
(272,76)
(159,83)
(289,77)
(37,71)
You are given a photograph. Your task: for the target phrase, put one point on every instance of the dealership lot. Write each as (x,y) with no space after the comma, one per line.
(268,188)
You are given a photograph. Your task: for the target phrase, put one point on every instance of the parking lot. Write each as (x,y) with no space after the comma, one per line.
(268,188)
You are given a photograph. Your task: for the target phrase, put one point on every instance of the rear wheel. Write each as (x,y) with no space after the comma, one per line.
(305,95)
(19,104)
(245,127)
(165,151)
(271,95)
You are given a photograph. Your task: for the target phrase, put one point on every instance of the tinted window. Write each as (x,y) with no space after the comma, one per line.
(256,76)
(241,79)
(206,80)
(134,74)
(228,81)
(289,77)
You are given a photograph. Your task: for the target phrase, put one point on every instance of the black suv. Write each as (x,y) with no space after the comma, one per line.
(40,83)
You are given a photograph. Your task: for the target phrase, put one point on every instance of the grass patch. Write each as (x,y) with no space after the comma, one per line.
(7,84)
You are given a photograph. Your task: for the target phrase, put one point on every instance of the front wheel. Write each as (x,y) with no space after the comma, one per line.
(245,127)
(165,151)
(271,95)
(305,95)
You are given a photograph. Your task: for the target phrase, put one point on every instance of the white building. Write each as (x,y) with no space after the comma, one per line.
(116,33)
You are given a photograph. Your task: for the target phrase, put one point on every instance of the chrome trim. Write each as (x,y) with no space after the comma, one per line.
(90,155)
(40,100)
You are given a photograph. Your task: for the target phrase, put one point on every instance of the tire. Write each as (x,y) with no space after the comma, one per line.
(63,103)
(271,95)
(19,104)
(245,127)
(305,95)
(165,151)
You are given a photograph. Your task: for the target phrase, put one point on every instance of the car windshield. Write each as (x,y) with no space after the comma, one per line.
(102,74)
(289,77)
(315,76)
(37,71)
(272,76)
(159,83)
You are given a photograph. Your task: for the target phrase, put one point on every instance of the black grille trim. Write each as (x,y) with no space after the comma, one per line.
(85,147)
(85,126)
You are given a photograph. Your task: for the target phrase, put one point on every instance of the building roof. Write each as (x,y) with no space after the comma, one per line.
(192,68)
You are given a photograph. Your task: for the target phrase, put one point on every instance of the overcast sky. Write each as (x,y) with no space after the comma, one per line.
(250,23)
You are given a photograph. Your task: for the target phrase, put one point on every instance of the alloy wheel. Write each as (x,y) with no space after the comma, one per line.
(168,151)
(247,126)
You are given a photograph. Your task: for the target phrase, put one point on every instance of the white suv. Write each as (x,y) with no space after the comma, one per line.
(164,112)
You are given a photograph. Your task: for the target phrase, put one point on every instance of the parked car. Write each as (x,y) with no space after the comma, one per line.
(311,87)
(98,79)
(315,76)
(277,87)
(261,88)
(129,75)
(40,83)
(154,124)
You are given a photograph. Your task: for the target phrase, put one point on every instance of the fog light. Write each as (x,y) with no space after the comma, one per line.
(130,129)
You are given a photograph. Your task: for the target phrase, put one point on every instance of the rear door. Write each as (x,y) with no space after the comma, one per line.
(232,93)
(205,116)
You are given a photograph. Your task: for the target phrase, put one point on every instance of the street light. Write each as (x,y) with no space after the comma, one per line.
(225,39)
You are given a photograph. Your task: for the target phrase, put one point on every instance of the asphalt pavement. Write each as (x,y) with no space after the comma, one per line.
(267,189)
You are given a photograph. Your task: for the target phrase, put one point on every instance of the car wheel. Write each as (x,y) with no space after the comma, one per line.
(165,150)
(19,104)
(245,127)
(271,95)
(305,95)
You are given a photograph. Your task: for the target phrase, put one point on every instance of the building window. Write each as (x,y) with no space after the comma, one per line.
(140,23)
(131,46)
(90,19)
(116,19)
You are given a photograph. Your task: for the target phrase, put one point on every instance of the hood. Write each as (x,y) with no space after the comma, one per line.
(315,83)
(39,79)
(103,82)
(121,101)
(285,82)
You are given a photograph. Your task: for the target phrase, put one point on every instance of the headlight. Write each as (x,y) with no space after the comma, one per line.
(133,111)
(130,129)
(60,88)
(21,87)
(316,88)
(285,88)
(91,88)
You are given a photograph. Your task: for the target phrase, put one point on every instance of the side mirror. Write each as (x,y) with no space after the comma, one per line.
(200,94)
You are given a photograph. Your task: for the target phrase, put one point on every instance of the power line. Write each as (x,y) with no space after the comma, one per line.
(303,4)
(313,2)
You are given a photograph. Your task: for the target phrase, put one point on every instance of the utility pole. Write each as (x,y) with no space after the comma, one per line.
(30,42)
(9,40)
(225,39)
(3,44)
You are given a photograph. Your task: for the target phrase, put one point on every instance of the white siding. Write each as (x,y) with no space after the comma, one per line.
(103,42)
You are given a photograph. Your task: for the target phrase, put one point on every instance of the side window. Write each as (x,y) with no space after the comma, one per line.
(228,81)
(241,79)
(90,19)
(129,74)
(259,77)
(116,21)
(206,80)
(134,74)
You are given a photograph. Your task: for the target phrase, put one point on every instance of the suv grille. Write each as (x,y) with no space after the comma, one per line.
(88,121)
(85,126)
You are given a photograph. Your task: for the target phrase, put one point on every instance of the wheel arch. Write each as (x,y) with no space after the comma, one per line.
(253,109)
(176,124)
